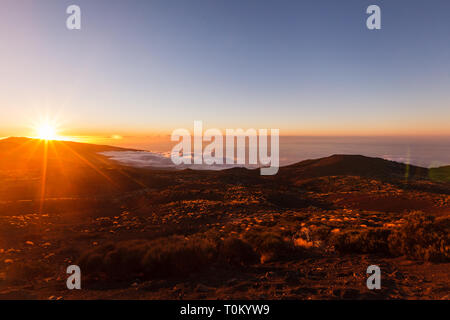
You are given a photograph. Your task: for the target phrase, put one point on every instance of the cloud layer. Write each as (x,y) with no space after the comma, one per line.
(145,159)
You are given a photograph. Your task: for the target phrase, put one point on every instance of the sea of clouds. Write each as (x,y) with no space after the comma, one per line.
(147,159)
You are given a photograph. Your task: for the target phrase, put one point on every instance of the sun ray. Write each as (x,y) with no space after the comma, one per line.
(86,161)
(121,171)
(44,177)
(46,129)
(20,147)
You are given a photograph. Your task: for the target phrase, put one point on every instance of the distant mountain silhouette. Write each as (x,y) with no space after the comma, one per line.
(32,168)
(355,165)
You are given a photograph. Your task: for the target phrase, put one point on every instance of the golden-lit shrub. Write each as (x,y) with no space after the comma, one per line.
(373,240)
(422,237)
(302,243)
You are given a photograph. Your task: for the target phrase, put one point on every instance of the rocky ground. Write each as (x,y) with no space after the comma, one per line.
(310,232)
(36,248)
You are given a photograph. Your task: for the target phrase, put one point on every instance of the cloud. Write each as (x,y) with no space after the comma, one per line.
(146,159)
(140,159)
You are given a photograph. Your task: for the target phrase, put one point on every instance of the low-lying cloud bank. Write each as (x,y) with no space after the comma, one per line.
(140,159)
(146,159)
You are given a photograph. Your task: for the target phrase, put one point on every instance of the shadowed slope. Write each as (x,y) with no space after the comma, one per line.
(355,165)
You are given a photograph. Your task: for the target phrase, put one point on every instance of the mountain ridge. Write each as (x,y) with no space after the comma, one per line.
(27,154)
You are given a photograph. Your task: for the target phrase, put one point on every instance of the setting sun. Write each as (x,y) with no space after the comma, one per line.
(46,132)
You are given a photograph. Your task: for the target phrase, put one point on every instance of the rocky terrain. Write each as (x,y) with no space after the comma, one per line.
(310,232)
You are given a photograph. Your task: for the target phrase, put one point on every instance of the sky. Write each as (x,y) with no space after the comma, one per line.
(146,67)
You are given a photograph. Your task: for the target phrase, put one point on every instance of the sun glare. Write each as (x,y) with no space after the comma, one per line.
(45,127)
(46,132)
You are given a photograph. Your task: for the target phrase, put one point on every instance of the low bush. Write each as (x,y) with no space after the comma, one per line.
(374,240)
(22,272)
(178,257)
(174,256)
(238,252)
(270,246)
(166,257)
(422,237)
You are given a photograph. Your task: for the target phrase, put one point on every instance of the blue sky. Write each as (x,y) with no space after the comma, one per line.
(306,67)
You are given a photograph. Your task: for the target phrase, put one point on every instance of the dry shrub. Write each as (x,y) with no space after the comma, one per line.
(302,243)
(166,257)
(422,237)
(313,234)
(238,252)
(179,256)
(373,240)
(270,246)
(21,272)
(321,232)
(174,256)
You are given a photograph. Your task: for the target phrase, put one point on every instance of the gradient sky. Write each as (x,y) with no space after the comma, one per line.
(306,67)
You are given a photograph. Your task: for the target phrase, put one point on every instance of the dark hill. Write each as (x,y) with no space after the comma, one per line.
(354,165)
(440,174)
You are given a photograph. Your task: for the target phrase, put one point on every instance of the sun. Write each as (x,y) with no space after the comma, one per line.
(46,132)
(47,128)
